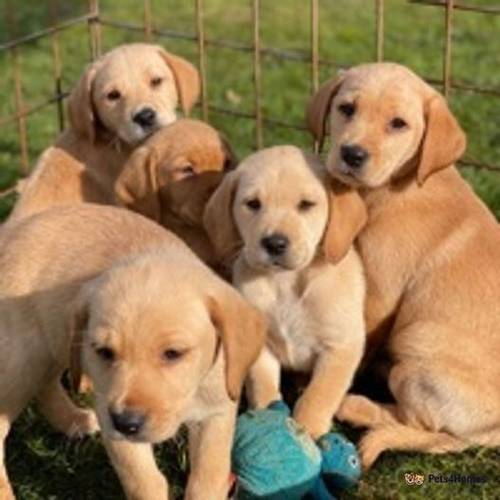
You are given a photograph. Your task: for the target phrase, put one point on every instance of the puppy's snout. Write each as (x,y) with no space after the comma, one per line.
(146,117)
(128,422)
(276,244)
(353,155)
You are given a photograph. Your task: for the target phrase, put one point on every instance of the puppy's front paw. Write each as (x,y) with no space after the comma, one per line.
(314,424)
(370,447)
(83,423)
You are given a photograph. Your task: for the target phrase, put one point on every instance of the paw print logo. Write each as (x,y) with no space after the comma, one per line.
(412,478)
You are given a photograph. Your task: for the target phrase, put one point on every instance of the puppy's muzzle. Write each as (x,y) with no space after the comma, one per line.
(275,245)
(146,118)
(128,422)
(354,156)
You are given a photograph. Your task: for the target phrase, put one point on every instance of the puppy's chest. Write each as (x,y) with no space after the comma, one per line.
(291,336)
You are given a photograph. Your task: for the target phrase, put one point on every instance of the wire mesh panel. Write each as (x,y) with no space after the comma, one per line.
(312,14)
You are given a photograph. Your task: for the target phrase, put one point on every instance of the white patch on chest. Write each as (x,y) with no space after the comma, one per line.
(291,338)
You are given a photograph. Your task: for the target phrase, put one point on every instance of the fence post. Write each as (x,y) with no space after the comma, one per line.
(447,48)
(379,31)
(257,73)
(314,55)
(56,63)
(94,29)
(148,24)
(200,35)
(18,91)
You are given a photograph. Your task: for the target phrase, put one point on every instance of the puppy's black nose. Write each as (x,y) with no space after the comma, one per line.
(128,422)
(355,156)
(146,117)
(275,244)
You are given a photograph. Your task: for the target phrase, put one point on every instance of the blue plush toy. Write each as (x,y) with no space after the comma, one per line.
(275,459)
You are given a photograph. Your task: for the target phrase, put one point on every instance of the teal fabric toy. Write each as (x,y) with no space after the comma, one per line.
(273,458)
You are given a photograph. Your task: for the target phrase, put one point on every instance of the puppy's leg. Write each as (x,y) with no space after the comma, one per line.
(263,383)
(6,492)
(330,380)
(359,411)
(210,457)
(63,414)
(404,437)
(136,467)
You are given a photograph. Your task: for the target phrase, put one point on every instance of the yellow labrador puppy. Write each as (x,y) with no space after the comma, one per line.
(171,177)
(121,99)
(162,338)
(431,251)
(273,213)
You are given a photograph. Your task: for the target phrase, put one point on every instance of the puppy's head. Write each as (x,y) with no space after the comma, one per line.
(174,173)
(148,333)
(385,122)
(275,208)
(132,91)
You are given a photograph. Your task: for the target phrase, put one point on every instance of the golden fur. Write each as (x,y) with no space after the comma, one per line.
(314,307)
(86,159)
(158,333)
(431,251)
(170,178)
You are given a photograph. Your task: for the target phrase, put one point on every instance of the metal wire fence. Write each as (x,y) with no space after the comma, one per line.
(94,20)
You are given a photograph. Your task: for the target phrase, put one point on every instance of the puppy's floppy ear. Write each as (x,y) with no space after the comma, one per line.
(444,141)
(80,107)
(218,218)
(137,186)
(78,324)
(187,79)
(242,329)
(231,159)
(319,106)
(348,216)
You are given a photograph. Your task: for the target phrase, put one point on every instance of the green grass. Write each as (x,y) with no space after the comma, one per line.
(45,465)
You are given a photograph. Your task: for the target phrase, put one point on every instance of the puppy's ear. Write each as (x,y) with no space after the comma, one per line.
(78,324)
(231,160)
(187,79)
(137,186)
(218,218)
(242,329)
(80,107)
(444,141)
(319,106)
(348,216)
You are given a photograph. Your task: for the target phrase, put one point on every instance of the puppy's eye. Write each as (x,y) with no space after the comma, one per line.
(172,354)
(254,204)
(114,95)
(347,109)
(105,353)
(397,123)
(156,82)
(187,170)
(305,205)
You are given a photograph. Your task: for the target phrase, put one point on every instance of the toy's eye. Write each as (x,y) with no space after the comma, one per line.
(347,109)
(353,461)
(156,82)
(105,353)
(113,95)
(254,204)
